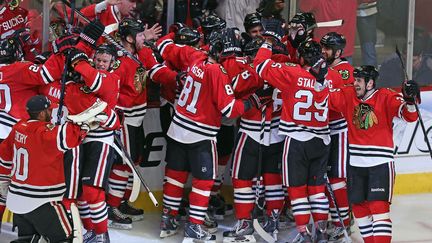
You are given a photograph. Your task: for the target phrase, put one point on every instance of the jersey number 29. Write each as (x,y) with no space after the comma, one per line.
(301,109)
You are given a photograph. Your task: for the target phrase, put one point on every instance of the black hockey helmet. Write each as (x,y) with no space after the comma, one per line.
(307,20)
(130,26)
(334,41)
(231,43)
(251,20)
(216,45)
(108,49)
(310,51)
(367,72)
(212,22)
(187,36)
(252,47)
(10,51)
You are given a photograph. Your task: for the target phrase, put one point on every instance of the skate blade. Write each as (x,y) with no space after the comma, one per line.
(119,226)
(244,238)
(167,233)
(136,218)
(192,240)
(218,217)
(211,230)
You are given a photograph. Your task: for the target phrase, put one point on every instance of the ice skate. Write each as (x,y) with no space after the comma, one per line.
(117,220)
(89,237)
(242,232)
(169,224)
(195,233)
(136,214)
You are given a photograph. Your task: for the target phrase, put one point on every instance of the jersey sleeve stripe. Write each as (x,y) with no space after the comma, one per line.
(153,70)
(228,109)
(97,83)
(163,45)
(111,120)
(46,76)
(261,67)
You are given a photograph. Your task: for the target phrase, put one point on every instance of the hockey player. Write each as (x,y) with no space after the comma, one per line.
(371,171)
(333,45)
(33,150)
(205,98)
(253,27)
(133,102)
(257,134)
(304,121)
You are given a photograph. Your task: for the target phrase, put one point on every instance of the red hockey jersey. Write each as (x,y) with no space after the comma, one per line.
(206,96)
(305,109)
(370,130)
(34,150)
(19,81)
(12,20)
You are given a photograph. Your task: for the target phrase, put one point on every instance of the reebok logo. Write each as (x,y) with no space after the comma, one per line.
(377,190)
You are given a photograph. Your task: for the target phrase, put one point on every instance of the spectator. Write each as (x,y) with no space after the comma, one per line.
(392,74)
(234,12)
(366,26)
(328,10)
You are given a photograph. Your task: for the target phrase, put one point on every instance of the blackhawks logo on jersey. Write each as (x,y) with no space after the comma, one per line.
(140,79)
(345,74)
(364,117)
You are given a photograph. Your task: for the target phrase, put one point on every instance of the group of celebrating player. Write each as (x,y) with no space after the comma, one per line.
(304,118)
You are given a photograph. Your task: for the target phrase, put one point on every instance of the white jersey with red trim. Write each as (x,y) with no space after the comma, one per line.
(305,101)
(32,155)
(370,129)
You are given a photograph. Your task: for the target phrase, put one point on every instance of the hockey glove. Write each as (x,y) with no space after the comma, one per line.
(22,36)
(296,34)
(319,70)
(181,79)
(273,29)
(261,97)
(41,58)
(92,32)
(64,43)
(75,56)
(411,92)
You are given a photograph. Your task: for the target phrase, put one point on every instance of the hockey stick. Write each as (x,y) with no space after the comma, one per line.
(333,198)
(334,23)
(107,36)
(415,104)
(257,226)
(67,64)
(122,151)
(77,224)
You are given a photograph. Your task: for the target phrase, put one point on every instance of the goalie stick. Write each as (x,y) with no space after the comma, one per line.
(415,104)
(257,226)
(127,158)
(77,224)
(107,36)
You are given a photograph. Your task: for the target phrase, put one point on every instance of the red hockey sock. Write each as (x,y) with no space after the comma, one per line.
(274,194)
(340,192)
(2,210)
(199,199)
(118,180)
(84,211)
(364,220)
(382,224)
(244,198)
(173,189)
(129,186)
(95,197)
(300,205)
(318,202)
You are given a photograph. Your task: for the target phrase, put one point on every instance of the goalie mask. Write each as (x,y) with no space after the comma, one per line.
(211,23)
(10,51)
